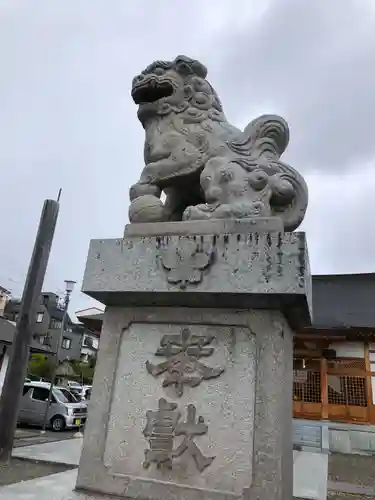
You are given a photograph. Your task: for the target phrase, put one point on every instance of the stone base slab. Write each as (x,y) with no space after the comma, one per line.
(249,270)
(204,227)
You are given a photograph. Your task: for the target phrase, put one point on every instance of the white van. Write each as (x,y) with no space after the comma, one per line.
(65,410)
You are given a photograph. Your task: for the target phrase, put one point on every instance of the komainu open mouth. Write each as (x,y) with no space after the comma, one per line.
(151,91)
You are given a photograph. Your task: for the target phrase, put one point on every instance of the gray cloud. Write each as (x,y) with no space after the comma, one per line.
(67,120)
(311,62)
(338,222)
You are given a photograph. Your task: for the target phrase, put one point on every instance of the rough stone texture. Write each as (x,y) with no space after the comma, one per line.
(256,270)
(273,447)
(208,168)
(253,346)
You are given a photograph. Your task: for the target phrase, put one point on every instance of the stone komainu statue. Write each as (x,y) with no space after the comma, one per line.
(207,168)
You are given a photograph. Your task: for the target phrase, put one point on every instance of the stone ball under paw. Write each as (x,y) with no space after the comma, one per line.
(146,208)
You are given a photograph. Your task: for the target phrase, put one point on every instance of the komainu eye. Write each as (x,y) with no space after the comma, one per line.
(226,175)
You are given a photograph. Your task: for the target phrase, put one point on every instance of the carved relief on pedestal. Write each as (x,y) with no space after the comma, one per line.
(163,426)
(185,262)
(182,366)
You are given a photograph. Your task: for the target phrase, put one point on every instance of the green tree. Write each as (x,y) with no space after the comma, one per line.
(87,373)
(92,362)
(40,366)
(84,371)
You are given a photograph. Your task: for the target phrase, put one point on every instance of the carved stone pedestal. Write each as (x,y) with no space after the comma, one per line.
(192,395)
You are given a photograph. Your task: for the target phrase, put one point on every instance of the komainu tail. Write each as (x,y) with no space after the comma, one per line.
(260,146)
(266,136)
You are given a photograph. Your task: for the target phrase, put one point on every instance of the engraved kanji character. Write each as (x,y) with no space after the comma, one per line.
(190,429)
(183,353)
(159,431)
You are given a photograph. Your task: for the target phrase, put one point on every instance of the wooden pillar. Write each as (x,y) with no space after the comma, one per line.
(370,406)
(324,387)
(17,368)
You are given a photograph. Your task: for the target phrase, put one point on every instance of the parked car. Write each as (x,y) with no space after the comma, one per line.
(72,384)
(65,410)
(34,378)
(86,392)
(83,393)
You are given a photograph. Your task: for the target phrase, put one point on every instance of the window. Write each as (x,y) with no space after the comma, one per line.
(347,390)
(306,380)
(26,389)
(39,317)
(84,357)
(66,343)
(47,341)
(55,324)
(346,380)
(65,396)
(40,393)
(88,342)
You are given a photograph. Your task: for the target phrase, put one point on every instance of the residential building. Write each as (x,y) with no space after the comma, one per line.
(89,342)
(5,296)
(91,320)
(7,332)
(48,326)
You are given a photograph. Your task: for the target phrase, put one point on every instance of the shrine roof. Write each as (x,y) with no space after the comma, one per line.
(343,301)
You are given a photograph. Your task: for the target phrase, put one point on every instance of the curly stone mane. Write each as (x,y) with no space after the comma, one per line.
(200,101)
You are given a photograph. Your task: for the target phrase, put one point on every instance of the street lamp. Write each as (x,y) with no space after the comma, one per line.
(69,287)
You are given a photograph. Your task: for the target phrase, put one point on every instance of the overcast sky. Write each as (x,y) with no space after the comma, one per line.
(67,120)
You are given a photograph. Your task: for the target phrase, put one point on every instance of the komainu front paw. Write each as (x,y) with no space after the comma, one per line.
(143,189)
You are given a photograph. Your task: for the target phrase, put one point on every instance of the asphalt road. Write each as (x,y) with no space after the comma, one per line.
(24,470)
(30,436)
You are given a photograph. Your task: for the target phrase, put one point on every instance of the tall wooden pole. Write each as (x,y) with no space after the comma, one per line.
(17,368)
